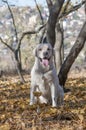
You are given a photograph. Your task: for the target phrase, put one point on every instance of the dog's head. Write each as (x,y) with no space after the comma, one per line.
(44,53)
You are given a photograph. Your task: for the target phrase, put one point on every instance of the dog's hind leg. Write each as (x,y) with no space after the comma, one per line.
(53,95)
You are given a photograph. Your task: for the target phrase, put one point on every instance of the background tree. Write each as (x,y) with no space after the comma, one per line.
(54,14)
(57,11)
(16,50)
(18,40)
(59,52)
(77,47)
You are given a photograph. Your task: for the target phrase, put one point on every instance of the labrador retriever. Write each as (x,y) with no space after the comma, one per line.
(44,78)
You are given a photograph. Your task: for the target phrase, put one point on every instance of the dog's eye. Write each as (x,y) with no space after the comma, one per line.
(48,49)
(40,49)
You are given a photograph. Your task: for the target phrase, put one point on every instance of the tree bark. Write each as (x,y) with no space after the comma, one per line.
(58,47)
(85,9)
(54,11)
(79,44)
(18,66)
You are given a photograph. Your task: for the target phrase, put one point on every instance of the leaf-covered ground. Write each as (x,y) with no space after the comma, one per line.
(16,114)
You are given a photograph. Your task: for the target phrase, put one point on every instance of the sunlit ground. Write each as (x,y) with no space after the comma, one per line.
(16,114)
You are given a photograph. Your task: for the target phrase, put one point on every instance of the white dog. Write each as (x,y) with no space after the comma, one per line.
(44,77)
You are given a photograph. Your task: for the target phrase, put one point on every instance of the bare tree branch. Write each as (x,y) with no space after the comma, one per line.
(43,32)
(16,34)
(49,4)
(39,12)
(72,9)
(6,44)
(42,36)
(29,33)
(54,13)
(66,6)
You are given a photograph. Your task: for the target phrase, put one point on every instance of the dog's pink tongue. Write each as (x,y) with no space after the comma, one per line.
(45,62)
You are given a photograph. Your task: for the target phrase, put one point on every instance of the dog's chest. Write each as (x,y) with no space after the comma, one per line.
(43,85)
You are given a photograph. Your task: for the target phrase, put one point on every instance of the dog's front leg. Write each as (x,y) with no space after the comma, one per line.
(53,95)
(32,98)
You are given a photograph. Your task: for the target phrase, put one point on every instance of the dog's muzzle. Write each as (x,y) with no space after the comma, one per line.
(45,61)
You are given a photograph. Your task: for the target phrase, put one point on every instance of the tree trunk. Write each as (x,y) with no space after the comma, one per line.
(62,47)
(52,20)
(62,51)
(18,66)
(85,9)
(58,47)
(79,44)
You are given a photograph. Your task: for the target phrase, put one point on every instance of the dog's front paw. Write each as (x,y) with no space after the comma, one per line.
(43,100)
(31,103)
(54,104)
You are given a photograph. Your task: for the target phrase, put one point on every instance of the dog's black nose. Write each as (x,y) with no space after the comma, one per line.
(45,53)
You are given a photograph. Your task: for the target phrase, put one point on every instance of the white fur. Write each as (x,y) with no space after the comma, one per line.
(44,79)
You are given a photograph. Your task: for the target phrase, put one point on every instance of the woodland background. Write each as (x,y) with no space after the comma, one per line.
(21,29)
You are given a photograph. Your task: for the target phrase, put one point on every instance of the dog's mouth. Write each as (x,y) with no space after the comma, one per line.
(45,61)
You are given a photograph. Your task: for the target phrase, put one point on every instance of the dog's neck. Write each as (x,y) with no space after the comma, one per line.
(41,68)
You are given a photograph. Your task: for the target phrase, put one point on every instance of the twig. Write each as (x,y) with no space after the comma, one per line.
(72,9)
(29,33)
(16,34)
(6,44)
(66,6)
(42,36)
(39,12)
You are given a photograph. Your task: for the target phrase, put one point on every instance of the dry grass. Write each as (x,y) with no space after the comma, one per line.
(16,114)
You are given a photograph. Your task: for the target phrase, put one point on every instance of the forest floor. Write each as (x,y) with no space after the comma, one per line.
(16,114)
